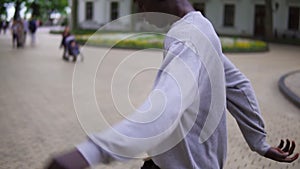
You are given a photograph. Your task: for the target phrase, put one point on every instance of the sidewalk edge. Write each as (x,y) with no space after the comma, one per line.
(286,91)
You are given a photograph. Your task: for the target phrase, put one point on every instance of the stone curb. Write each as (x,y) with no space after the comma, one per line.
(286,91)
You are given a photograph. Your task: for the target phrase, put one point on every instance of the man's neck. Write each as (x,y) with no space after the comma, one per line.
(182,8)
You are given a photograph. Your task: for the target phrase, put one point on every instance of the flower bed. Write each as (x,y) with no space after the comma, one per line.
(123,40)
(243,45)
(143,41)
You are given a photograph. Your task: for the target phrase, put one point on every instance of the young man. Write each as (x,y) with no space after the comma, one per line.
(198,83)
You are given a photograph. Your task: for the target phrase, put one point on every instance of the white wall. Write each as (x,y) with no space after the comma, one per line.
(99,11)
(102,13)
(281,16)
(214,11)
(244,15)
(81,11)
(124,10)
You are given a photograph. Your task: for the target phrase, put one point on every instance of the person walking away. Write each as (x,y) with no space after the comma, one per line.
(66,33)
(1,25)
(17,33)
(5,26)
(14,30)
(32,28)
(26,30)
(20,32)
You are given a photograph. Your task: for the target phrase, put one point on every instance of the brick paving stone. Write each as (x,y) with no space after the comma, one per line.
(38,120)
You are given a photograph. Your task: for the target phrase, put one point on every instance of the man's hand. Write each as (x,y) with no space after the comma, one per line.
(71,160)
(283,153)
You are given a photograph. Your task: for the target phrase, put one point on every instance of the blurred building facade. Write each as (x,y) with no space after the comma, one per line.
(229,17)
(92,14)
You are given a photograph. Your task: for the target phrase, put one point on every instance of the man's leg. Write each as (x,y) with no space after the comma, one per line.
(24,39)
(149,164)
(14,38)
(32,38)
(65,54)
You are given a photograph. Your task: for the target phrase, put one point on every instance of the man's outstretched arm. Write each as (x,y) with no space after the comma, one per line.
(242,104)
(283,153)
(177,81)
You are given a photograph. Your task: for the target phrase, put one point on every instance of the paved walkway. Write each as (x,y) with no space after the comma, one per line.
(37,117)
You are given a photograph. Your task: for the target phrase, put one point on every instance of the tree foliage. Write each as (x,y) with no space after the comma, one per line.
(3,4)
(38,8)
(48,5)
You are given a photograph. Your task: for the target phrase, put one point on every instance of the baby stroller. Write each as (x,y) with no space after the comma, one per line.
(72,49)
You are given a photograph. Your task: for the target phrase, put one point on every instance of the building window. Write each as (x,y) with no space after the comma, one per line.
(89,10)
(294,13)
(229,12)
(199,7)
(114,10)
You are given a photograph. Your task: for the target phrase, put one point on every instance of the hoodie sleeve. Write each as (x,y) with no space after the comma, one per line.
(242,104)
(174,91)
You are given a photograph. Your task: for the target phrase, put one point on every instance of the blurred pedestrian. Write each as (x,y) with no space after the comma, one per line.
(26,30)
(6,25)
(1,25)
(17,30)
(33,25)
(66,33)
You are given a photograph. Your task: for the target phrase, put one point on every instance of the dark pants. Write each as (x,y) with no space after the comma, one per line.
(149,164)
(15,40)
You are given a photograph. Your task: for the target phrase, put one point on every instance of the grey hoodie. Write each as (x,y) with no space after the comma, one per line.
(185,126)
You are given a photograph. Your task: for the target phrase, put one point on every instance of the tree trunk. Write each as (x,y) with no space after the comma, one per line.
(74,15)
(133,18)
(17,11)
(269,20)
